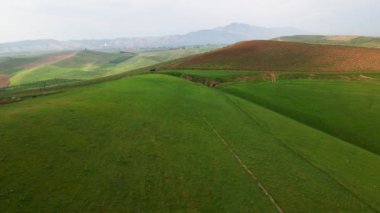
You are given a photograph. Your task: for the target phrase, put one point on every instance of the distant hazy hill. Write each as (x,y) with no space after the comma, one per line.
(285,56)
(223,35)
(52,68)
(357,41)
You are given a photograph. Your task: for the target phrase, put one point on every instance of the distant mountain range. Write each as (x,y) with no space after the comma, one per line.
(229,34)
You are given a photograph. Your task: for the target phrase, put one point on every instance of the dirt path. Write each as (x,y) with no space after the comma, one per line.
(245,167)
(4,80)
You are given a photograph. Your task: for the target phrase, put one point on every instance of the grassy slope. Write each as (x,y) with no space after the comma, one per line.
(285,56)
(360,41)
(148,147)
(89,64)
(349,110)
(346,108)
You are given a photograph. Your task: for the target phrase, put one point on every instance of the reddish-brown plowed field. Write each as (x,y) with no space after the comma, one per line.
(286,56)
(4,80)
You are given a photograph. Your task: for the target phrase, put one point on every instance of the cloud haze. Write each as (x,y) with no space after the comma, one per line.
(95,19)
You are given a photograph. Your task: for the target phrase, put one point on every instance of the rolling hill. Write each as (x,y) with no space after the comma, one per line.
(161,143)
(356,41)
(285,56)
(82,65)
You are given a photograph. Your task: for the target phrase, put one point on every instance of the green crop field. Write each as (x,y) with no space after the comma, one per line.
(346,109)
(160,143)
(344,105)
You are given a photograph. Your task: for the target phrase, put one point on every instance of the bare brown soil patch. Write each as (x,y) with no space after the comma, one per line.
(4,80)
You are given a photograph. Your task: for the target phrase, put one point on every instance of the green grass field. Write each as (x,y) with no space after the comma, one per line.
(346,109)
(160,143)
(344,105)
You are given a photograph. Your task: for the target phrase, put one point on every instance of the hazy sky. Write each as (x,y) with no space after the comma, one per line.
(95,19)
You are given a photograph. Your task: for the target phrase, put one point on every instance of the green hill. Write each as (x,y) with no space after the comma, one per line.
(356,41)
(161,143)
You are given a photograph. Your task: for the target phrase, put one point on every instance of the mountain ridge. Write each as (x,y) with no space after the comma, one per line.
(225,35)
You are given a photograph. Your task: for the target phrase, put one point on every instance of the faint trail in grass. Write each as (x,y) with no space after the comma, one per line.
(301,156)
(253,176)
